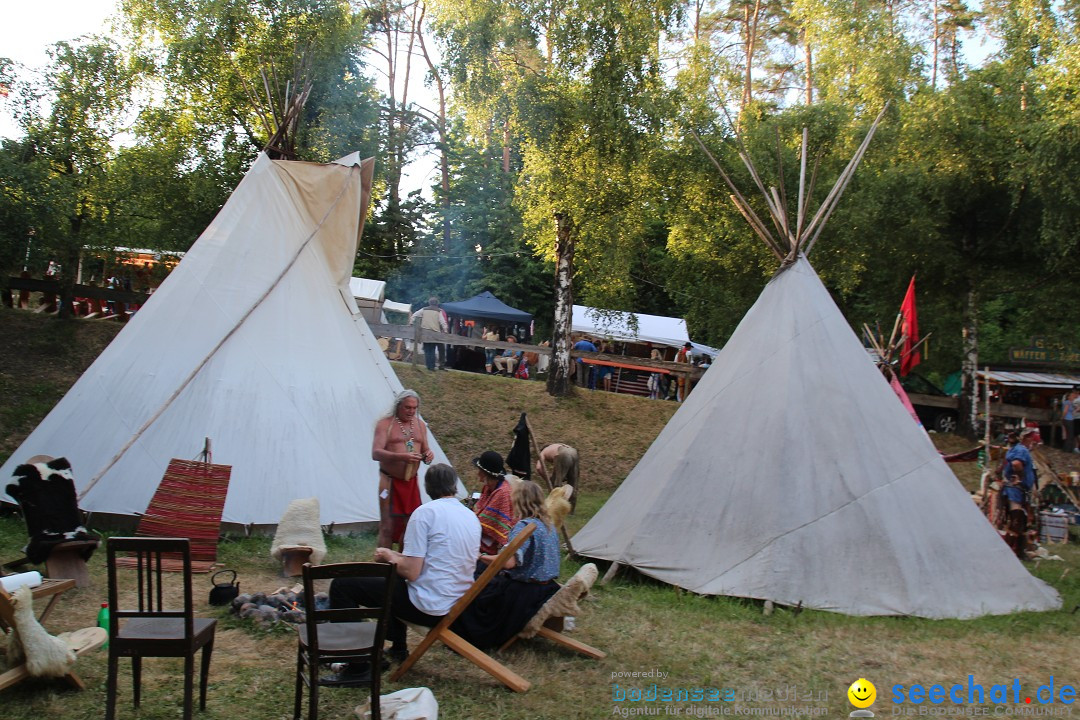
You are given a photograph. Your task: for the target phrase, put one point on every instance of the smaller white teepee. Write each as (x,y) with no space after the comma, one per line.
(793,474)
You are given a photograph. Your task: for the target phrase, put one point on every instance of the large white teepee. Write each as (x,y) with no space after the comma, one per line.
(793,474)
(254,341)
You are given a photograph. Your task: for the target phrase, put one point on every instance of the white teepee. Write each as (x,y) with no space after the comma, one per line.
(253,341)
(792,474)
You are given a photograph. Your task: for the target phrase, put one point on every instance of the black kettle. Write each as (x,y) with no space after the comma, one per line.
(225,592)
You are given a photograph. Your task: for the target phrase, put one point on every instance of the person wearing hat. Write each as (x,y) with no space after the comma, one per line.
(495,508)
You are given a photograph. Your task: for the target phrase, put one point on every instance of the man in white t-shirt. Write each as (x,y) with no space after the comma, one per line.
(438,558)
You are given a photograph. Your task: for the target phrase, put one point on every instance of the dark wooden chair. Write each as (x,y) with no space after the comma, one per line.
(147,628)
(442,632)
(349,635)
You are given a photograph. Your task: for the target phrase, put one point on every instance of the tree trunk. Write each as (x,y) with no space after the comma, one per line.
(444,143)
(969,365)
(934,54)
(558,382)
(751,26)
(506,147)
(809,70)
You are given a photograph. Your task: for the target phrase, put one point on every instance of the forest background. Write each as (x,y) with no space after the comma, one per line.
(579,115)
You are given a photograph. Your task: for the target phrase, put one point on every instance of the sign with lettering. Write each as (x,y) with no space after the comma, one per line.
(1043,351)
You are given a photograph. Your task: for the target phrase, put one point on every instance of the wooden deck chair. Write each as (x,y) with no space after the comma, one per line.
(187,504)
(79,641)
(460,645)
(549,620)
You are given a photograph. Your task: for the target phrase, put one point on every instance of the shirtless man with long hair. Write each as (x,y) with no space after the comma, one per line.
(399,446)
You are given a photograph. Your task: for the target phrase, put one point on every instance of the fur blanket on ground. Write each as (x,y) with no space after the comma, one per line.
(299,527)
(45,655)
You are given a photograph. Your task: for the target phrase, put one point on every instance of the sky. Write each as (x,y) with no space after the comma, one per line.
(30,27)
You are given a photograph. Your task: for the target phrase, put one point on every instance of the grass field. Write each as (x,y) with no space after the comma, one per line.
(696,642)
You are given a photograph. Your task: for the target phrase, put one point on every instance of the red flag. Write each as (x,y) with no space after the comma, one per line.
(909,326)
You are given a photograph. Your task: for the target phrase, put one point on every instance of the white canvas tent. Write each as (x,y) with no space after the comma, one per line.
(620,325)
(793,474)
(254,341)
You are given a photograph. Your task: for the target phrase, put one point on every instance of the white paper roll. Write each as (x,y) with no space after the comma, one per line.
(12,583)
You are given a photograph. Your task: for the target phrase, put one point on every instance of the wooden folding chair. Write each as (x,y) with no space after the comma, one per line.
(82,640)
(552,628)
(460,645)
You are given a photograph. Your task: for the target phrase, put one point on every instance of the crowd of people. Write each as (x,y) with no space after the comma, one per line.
(444,545)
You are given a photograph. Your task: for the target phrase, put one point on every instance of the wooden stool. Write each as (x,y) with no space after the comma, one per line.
(293,558)
(67,560)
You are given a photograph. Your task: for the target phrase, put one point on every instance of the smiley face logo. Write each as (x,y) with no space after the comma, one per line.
(862,693)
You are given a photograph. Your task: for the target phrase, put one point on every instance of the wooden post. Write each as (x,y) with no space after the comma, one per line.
(418,333)
(551,486)
(540,463)
(610,574)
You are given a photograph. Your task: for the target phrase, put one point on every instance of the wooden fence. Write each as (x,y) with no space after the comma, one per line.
(419,335)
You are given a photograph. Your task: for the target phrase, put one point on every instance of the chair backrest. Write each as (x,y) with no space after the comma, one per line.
(313,615)
(153,600)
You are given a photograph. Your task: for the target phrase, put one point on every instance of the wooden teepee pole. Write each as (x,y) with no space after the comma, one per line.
(742,203)
(833,198)
(801,212)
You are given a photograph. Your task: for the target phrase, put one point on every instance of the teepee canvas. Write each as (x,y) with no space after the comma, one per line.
(793,474)
(254,341)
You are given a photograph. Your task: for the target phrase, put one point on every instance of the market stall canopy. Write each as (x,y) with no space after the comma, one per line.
(488,307)
(619,325)
(368,289)
(1046,380)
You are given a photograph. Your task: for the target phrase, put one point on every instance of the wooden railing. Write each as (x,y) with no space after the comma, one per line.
(419,335)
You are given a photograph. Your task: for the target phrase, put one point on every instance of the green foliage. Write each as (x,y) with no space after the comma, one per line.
(57,174)
(212,57)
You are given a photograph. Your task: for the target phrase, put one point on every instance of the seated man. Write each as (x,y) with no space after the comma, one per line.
(506,362)
(442,542)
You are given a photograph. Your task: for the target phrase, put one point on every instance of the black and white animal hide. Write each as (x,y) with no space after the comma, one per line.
(46,493)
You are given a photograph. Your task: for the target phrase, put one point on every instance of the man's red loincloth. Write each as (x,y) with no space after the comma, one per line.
(404,498)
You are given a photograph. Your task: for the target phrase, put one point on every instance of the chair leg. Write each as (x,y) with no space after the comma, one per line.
(110,687)
(313,688)
(204,674)
(376,685)
(299,695)
(482,660)
(189,685)
(136,679)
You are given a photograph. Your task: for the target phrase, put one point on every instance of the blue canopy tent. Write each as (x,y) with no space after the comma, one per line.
(468,317)
(486,306)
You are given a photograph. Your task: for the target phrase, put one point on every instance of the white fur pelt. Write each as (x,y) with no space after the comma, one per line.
(565,601)
(300,526)
(45,655)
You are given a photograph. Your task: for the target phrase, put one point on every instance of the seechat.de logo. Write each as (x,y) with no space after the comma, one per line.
(862,694)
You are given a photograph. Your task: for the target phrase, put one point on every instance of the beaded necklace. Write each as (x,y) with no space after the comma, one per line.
(408,436)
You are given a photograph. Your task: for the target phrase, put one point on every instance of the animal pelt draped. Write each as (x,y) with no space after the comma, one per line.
(46,493)
(299,527)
